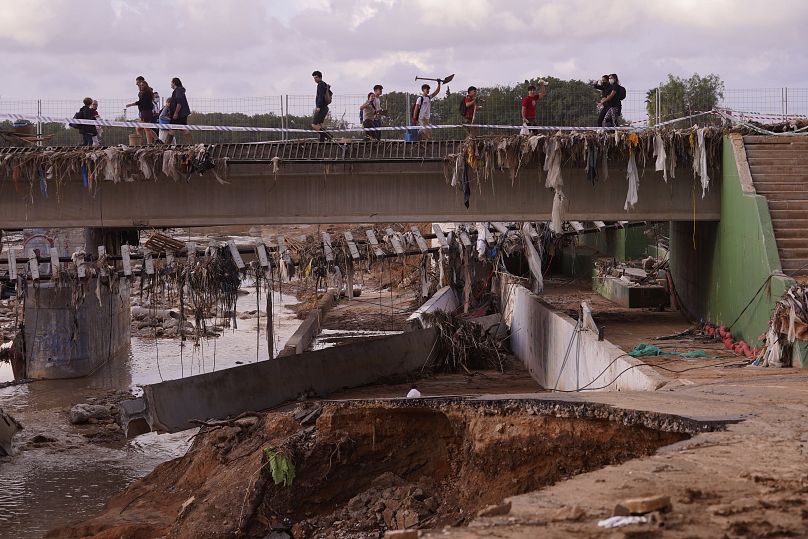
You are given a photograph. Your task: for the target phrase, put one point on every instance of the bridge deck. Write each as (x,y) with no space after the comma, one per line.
(339,182)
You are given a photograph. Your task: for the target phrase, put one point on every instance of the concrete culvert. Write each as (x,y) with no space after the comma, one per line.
(364,467)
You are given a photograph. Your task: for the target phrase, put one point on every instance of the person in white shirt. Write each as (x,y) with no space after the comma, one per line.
(423,109)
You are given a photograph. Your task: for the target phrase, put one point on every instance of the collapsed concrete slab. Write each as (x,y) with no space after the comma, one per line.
(170,406)
(8,428)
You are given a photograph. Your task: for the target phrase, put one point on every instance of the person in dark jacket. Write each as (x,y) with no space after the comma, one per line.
(145,106)
(87,131)
(180,109)
(613,103)
(320,106)
(605,89)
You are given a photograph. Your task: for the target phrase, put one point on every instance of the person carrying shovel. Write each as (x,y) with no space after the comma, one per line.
(423,109)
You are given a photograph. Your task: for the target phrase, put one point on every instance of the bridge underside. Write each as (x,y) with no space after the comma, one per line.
(361,191)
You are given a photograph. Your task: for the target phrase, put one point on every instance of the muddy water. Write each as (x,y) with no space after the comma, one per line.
(53,483)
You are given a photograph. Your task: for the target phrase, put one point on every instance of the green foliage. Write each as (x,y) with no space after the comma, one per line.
(280,466)
(680,97)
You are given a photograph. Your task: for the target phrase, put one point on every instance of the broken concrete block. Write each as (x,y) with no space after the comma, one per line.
(570,513)
(495,510)
(401,534)
(641,506)
(83,413)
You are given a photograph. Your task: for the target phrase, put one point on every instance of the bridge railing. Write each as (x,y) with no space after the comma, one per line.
(559,108)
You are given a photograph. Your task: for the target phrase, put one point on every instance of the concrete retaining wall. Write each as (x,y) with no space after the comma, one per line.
(718,267)
(170,405)
(560,357)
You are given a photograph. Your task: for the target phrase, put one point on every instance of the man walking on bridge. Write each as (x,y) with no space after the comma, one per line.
(321,102)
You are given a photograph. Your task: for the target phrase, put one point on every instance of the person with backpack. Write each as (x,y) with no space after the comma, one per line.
(422,110)
(321,102)
(145,106)
(529,103)
(87,131)
(613,103)
(180,110)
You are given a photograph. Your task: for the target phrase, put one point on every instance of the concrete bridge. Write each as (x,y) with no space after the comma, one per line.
(353,182)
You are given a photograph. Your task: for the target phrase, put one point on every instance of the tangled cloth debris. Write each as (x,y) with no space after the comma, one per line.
(788,323)
(480,157)
(41,166)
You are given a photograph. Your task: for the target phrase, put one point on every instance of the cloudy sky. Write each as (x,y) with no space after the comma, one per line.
(71,48)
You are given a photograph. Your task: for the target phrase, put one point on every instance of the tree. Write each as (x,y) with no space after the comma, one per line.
(681,97)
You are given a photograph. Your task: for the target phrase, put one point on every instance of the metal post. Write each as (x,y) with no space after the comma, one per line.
(786,103)
(286,134)
(659,104)
(39,122)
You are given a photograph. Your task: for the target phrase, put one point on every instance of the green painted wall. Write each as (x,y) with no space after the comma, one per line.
(622,243)
(718,267)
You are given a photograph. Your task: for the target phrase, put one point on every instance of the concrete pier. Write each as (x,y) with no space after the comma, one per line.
(64,339)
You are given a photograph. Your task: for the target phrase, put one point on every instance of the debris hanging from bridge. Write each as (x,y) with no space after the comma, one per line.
(481,157)
(39,167)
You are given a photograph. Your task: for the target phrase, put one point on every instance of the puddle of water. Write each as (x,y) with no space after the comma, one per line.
(49,486)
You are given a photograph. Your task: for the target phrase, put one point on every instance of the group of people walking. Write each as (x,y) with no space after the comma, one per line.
(371,113)
(174,111)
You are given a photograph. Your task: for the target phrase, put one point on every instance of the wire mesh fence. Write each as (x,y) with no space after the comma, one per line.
(568,104)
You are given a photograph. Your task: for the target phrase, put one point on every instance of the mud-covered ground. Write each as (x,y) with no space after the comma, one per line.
(363,467)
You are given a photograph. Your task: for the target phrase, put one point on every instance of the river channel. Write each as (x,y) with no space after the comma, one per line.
(45,485)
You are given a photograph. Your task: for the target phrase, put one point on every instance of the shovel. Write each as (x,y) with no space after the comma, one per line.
(441,81)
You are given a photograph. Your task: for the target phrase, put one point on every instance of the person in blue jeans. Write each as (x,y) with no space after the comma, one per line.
(87,131)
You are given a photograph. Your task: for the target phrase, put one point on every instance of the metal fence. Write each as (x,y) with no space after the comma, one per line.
(567,106)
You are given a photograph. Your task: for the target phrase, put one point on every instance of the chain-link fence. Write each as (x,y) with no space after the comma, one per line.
(569,104)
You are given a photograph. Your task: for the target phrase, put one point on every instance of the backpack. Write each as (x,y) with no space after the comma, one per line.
(78,116)
(621,93)
(328,95)
(463,107)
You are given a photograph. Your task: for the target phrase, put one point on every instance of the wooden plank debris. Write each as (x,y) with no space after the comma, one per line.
(190,248)
(393,237)
(126,258)
(351,245)
(464,237)
(12,264)
(419,239)
(327,248)
(502,228)
(148,261)
(235,254)
(440,236)
(78,258)
(54,256)
(261,249)
(33,265)
(374,243)
(102,263)
(158,242)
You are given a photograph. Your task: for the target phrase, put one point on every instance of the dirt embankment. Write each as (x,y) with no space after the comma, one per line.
(365,467)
